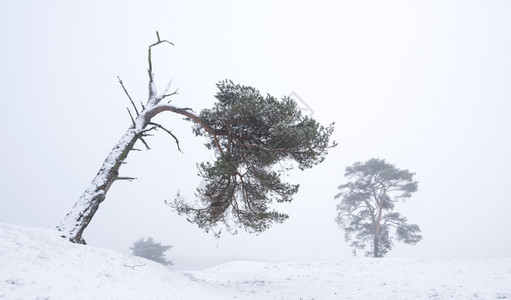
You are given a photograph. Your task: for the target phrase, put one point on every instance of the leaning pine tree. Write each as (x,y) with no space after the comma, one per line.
(251,133)
(366,212)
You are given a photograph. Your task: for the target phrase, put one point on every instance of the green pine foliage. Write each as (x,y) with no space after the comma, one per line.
(253,134)
(152,250)
(367,203)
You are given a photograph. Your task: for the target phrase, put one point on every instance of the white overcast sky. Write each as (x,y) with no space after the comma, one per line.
(425,85)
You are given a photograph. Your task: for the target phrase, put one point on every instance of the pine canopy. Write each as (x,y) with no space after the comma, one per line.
(252,135)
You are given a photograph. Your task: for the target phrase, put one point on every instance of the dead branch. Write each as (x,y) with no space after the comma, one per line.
(131,117)
(169,132)
(160,41)
(127,94)
(126,178)
(145,131)
(144,142)
(133,267)
(150,63)
(167,95)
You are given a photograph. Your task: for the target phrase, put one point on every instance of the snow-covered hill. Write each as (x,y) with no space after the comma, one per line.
(38,264)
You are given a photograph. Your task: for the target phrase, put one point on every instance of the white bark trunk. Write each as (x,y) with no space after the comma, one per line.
(78,218)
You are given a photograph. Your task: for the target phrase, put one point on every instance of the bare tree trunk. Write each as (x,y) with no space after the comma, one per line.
(83,211)
(377,228)
(78,218)
(376,246)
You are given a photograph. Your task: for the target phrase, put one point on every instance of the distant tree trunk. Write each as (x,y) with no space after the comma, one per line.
(376,240)
(376,246)
(377,225)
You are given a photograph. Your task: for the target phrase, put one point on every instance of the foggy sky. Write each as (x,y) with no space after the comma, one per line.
(425,85)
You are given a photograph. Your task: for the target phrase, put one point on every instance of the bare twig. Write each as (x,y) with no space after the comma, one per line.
(150,63)
(168,95)
(144,142)
(127,94)
(169,132)
(165,95)
(131,117)
(133,267)
(126,178)
(145,131)
(160,41)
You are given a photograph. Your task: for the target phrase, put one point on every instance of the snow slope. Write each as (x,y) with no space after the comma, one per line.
(38,264)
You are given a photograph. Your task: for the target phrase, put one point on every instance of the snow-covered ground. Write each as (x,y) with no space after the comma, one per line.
(38,264)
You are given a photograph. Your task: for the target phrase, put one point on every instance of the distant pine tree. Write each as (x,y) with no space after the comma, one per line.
(367,203)
(151,250)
